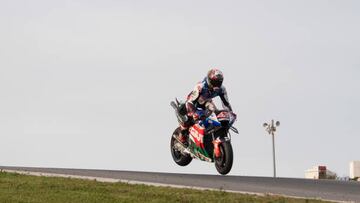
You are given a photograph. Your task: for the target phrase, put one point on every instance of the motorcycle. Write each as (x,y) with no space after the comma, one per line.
(209,139)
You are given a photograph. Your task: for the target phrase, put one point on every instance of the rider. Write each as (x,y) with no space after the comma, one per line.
(201,97)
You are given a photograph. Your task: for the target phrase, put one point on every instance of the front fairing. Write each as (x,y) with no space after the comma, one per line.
(204,132)
(210,122)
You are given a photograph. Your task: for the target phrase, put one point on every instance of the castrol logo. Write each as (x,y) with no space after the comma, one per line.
(195,134)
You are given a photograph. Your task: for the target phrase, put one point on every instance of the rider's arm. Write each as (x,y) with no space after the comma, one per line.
(225,99)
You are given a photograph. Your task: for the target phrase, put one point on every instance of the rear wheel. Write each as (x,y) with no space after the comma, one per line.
(178,157)
(224,163)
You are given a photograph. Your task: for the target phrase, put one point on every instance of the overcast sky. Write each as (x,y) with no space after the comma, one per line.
(87,84)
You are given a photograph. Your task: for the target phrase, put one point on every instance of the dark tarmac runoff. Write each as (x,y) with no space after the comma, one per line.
(348,191)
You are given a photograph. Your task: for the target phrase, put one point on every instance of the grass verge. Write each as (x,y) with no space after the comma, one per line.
(25,188)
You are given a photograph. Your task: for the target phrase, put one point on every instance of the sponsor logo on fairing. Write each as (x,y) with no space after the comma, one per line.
(195,134)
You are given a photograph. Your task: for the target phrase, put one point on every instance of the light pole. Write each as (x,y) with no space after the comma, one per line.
(271,129)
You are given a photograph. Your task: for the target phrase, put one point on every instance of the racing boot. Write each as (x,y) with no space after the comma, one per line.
(184,136)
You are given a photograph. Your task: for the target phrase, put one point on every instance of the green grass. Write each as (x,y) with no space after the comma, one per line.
(26,188)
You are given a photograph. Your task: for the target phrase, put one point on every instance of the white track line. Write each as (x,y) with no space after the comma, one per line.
(133,182)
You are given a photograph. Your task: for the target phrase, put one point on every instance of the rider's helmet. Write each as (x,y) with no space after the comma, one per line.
(215,78)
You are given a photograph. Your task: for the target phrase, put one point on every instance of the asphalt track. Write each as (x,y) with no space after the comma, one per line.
(344,191)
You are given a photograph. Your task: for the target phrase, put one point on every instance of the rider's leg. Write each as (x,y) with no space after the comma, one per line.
(184,132)
(185,122)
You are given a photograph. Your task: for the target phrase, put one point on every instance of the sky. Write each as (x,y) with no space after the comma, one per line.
(87,84)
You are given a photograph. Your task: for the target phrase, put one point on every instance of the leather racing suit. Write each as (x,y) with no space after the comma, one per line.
(201,97)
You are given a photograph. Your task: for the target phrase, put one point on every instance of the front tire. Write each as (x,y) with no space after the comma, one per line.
(224,163)
(178,157)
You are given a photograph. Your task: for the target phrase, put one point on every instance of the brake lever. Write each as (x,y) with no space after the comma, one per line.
(234,130)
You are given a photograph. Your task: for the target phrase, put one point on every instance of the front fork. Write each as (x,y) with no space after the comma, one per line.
(216,142)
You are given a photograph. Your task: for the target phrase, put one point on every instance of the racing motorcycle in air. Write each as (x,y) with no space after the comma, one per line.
(209,139)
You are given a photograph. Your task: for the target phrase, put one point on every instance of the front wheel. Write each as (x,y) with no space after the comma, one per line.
(179,158)
(224,163)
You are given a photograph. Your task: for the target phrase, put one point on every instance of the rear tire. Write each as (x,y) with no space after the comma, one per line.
(224,163)
(178,157)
